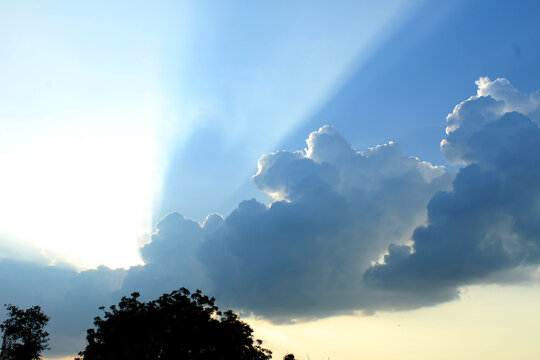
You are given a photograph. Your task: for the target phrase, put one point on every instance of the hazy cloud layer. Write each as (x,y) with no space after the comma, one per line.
(69,297)
(346,230)
(489,223)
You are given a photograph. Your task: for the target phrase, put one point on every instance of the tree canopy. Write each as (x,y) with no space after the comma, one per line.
(179,325)
(23,334)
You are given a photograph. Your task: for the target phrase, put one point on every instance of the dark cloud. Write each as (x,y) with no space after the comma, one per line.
(69,297)
(489,223)
(171,258)
(335,210)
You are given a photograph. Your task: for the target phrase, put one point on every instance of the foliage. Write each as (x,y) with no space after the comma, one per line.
(178,325)
(289,357)
(23,335)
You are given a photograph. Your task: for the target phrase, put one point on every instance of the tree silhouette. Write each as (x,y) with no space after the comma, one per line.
(23,335)
(289,357)
(178,325)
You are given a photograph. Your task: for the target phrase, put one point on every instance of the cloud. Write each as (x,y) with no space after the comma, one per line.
(335,210)
(489,224)
(345,230)
(493,99)
(171,258)
(69,297)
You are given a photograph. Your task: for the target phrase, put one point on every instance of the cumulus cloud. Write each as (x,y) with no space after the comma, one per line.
(345,230)
(493,99)
(489,223)
(335,210)
(170,259)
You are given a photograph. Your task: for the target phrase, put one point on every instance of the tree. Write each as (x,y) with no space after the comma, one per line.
(23,335)
(289,357)
(178,325)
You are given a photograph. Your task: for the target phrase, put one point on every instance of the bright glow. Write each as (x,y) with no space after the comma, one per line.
(82,109)
(82,194)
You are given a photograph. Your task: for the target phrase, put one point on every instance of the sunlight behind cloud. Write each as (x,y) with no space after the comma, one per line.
(82,108)
(89,192)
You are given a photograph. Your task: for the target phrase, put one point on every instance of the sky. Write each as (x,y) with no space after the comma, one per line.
(358,180)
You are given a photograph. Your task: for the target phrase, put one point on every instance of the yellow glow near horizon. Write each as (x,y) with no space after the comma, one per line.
(489,322)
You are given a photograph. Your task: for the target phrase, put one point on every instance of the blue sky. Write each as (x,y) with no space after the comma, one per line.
(310,131)
(399,88)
